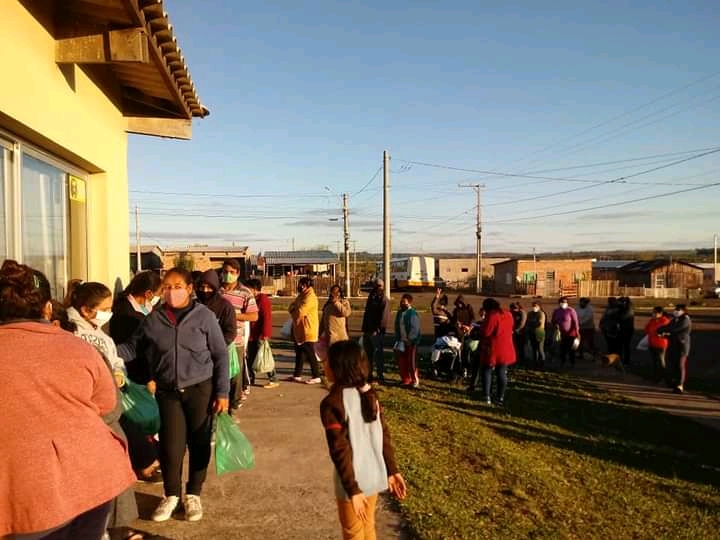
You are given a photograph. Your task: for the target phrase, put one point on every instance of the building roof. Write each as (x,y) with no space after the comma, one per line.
(649,266)
(228,250)
(610,265)
(144,62)
(544,260)
(300,257)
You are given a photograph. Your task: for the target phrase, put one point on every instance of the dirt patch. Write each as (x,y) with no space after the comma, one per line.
(290,492)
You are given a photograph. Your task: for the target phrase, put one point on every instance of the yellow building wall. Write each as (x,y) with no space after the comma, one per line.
(78,117)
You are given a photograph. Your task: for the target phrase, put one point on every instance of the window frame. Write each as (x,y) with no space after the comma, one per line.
(16,148)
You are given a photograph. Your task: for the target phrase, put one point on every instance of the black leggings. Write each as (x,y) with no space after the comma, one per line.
(306,353)
(186,421)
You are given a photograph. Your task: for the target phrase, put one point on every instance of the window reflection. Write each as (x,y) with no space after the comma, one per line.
(44,220)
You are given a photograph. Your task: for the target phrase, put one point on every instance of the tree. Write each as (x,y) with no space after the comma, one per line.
(184,260)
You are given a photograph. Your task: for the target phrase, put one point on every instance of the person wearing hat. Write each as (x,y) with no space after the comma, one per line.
(375,322)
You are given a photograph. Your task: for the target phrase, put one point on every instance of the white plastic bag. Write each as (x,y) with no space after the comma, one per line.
(399,346)
(576,344)
(286,330)
(264,361)
(643,344)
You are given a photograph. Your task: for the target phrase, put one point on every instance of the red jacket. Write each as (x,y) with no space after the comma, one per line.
(262,328)
(496,346)
(651,328)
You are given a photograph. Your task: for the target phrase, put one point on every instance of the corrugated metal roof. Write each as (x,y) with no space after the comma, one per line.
(300,257)
(610,265)
(649,266)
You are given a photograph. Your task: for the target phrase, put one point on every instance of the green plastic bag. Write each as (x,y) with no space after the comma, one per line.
(233,360)
(233,452)
(264,361)
(140,407)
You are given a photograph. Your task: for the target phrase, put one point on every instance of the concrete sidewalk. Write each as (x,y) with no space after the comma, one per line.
(290,492)
(690,405)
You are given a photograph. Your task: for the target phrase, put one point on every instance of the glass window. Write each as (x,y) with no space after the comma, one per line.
(4,229)
(44,220)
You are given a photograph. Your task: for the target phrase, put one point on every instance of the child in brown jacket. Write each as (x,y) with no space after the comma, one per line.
(359,442)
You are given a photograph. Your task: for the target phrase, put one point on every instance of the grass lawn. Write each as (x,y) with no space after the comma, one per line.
(563,460)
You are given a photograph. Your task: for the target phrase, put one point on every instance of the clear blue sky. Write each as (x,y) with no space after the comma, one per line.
(308,96)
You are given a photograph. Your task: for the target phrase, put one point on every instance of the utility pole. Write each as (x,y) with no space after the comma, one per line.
(387,247)
(346,237)
(137,238)
(715,266)
(478,235)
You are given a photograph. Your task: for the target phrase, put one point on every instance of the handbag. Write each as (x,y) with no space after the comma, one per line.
(264,361)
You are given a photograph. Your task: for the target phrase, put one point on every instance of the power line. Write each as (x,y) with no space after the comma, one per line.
(608,205)
(619,180)
(227,196)
(374,176)
(503,174)
(625,113)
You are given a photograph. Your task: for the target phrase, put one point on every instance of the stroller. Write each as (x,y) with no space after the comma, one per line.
(445,358)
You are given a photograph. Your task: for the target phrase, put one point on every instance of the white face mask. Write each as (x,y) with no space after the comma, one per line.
(102,317)
(536,308)
(677,313)
(564,305)
(154,301)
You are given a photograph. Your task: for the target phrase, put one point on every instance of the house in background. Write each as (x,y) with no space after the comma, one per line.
(546,277)
(300,263)
(461,272)
(207,257)
(151,258)
(607,270)
(77,77)
(661,274)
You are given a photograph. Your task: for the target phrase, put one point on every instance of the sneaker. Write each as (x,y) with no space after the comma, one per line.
(314,380)
(165,509)
(678,389)
(272,384)
(294,379)
(246,392)
(488,401)
(193,508)
(416,384)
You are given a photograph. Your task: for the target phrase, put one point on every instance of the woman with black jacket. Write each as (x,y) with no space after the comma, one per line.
(207,290)
(188,362)
(678,332)
(129,310)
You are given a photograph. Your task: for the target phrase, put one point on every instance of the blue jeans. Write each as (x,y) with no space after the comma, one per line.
(501,372)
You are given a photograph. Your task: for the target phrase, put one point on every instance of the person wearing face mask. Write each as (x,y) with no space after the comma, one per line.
(305,330)
(207,291)
(678,332)
(565,319)
(129,309)
(246,312)
(188,361)
(90,310)
(407,337)
(535,333)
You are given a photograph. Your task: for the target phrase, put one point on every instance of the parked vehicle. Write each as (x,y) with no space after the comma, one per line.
(417,272)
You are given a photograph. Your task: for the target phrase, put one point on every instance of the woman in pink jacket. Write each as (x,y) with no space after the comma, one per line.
(60,465)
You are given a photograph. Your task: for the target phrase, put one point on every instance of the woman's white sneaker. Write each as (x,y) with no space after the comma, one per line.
(193,508)
(165,509)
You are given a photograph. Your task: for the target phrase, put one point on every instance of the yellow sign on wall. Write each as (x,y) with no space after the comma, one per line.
(77,189)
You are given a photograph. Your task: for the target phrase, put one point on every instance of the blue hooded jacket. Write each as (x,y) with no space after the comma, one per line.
(183,354)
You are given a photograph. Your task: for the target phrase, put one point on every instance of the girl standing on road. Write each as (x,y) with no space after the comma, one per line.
(359,442)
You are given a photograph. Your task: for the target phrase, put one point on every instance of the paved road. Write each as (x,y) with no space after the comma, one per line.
(288,495)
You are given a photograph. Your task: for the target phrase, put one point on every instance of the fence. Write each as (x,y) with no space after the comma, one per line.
(287,285)
(606,288)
